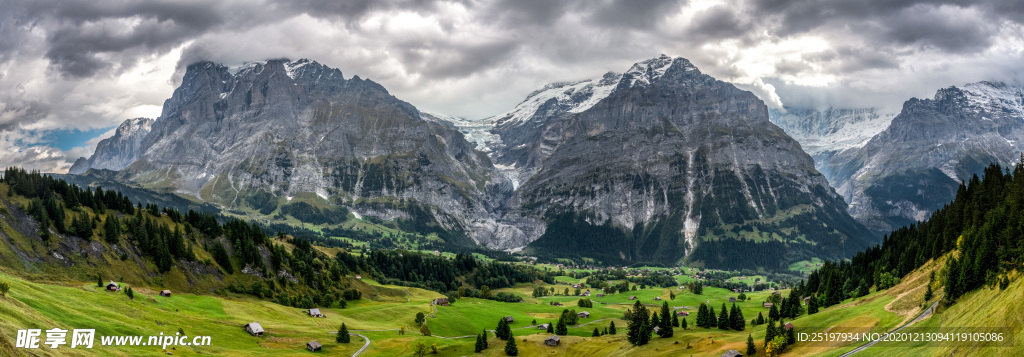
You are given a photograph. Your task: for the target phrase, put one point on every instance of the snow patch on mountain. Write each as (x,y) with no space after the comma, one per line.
(574,97)
(831,129)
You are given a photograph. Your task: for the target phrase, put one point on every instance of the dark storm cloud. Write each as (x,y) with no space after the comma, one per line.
(717,23)
(954,26)
(441,59)
(635,14)
(529,12)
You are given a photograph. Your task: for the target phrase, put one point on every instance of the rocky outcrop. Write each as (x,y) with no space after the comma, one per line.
(648,164)
(288,127)
(119,151)
(914,167)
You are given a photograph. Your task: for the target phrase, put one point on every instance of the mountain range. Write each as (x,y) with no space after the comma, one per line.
(660,163)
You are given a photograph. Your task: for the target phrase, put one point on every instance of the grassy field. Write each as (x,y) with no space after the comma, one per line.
(390,308)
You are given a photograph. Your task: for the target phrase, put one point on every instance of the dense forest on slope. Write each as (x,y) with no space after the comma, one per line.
(982,226)
(301,277)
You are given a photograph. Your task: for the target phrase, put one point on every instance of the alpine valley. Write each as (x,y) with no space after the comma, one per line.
(279,208)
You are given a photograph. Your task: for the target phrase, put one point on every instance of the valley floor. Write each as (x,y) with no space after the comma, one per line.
(71,305)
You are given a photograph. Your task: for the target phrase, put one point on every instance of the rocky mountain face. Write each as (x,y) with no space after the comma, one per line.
(258,135)
(659,163)
(915,165)
(119,151)
(823,133)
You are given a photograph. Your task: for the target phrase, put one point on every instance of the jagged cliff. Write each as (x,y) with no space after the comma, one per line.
(285,128)
(119,151)
(655,163)
(914,167)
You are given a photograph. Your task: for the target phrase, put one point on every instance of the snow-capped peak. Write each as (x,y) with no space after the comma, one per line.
(996,97)
(645,72)
(246,67)
(132,126)
(292,68)
(573,97)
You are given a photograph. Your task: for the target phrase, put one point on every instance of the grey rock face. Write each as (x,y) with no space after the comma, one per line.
(913,167)
(661,147)
(119,151)
(286,128)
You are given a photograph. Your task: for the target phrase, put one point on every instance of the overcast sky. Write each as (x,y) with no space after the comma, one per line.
(71,70)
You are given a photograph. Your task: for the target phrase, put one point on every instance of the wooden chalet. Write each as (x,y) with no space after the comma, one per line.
(552,341)
(584,314)
(768,305)
(314,346)
(789,326)
(165,293)
(315,313)
(112,287)
(509,319)
(254,328)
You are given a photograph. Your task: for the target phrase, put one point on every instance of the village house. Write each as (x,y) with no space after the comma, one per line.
(112,286)
(552,341)
(442,301)
(165,293)
(682,313)
(314,346)
(789,326)
(732,299)
(254,328)
(315,313)
(583,314)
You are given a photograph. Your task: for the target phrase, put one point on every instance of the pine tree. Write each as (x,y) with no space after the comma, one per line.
(751,349)
(928,293)
(675,320)
(500,330)
(510,346)
(479,344)
(773,314)
(483,337)
(736,316)
(812,305)
(99,281)
(723,319)
(655,320)
(769,332)
(645,334)
(561,329)
(597,333)
(343,336)
(551,327)
(636,324)
(665,327)
(683,323)
(611,328)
